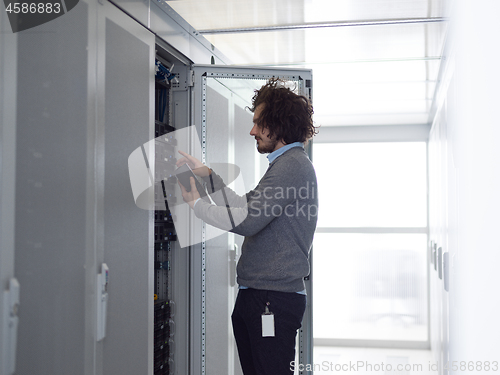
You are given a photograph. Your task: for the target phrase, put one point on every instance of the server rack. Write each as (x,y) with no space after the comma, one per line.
(216,98)
(198,338)
(164,231)
(170,348)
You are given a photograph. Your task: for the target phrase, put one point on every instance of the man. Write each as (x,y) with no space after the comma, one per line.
(278,219)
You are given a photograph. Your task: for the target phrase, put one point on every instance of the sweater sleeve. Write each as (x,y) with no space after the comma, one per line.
(221,194)
(249,214)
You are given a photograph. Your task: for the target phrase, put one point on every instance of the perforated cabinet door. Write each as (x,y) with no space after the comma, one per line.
(220,97)
(54,65)
(125,231)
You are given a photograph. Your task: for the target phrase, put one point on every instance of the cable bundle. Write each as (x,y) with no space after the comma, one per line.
(163,73)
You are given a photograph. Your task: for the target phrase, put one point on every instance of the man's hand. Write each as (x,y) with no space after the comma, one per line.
(190,197)
(197,166)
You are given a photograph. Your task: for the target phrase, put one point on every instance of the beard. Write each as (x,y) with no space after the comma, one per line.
(266,147)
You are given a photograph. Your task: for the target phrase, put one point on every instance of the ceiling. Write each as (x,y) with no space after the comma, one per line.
(374,62)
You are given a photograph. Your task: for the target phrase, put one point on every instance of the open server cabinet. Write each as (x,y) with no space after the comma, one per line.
(203,287)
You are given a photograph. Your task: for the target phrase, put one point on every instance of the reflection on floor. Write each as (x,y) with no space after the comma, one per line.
(363,361)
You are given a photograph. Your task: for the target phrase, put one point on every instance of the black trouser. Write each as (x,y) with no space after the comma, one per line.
(267,355)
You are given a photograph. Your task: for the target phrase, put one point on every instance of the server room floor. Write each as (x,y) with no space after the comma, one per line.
(371,361)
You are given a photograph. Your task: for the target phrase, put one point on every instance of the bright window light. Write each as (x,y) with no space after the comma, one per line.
(371,184)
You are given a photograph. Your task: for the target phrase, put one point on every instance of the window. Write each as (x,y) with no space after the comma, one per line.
(370,253)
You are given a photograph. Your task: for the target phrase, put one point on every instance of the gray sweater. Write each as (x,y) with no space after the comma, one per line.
(278,219)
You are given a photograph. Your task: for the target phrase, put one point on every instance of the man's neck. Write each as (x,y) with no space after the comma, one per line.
(279,145)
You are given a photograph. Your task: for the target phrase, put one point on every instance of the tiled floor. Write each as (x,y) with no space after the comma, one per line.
(362,361)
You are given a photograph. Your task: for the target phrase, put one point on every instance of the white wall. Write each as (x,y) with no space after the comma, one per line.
(464,158)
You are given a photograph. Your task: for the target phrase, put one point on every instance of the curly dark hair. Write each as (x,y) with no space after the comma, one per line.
(286,115)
